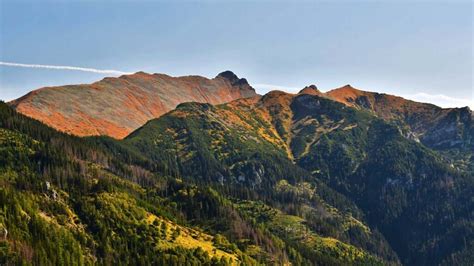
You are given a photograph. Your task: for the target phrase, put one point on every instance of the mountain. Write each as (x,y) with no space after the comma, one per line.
(433,126)
(449,131)
(67,200)
(117,106)
(345,177)
(419,201)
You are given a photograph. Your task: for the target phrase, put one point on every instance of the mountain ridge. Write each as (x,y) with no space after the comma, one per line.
(98,109)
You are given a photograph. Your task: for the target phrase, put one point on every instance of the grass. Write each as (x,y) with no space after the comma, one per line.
(189,238)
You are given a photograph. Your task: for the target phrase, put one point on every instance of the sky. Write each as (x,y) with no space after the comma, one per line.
(420,50)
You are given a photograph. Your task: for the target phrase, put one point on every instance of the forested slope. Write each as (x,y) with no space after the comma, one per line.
(73,201)
(273,179)
(417,199)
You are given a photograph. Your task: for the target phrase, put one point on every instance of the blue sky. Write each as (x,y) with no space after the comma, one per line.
(422,50)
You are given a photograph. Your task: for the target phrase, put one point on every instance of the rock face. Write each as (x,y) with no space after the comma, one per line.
(117,106)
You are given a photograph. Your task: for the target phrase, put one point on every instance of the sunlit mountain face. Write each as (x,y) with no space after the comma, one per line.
(116,106)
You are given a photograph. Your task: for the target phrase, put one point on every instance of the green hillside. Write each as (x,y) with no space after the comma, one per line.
(69,201)
(410,193)
(275,180)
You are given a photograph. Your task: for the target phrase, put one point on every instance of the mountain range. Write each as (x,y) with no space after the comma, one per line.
(117,106)
(151,169)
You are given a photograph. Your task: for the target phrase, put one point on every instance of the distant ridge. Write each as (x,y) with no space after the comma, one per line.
(432,125)
(117,106)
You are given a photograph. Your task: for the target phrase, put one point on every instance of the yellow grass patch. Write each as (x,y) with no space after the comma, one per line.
(190,238)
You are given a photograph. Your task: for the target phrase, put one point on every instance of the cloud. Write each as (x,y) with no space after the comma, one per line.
(84,69)
(441,100)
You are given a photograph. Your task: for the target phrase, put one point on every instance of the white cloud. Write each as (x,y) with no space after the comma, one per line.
(441,100)
(84,69)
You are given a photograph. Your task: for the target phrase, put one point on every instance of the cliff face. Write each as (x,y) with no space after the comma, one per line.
(117,106)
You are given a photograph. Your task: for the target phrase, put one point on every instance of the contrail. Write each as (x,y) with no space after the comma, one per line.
(84,69)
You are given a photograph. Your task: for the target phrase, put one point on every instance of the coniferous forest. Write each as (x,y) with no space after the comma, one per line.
(303,182)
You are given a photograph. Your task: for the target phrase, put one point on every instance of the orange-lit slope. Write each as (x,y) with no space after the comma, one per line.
(117,106)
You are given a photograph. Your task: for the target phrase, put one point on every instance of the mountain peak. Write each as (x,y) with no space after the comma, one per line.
(229,75)
(347,88)
(345,92)
(232,78)
(311,89)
